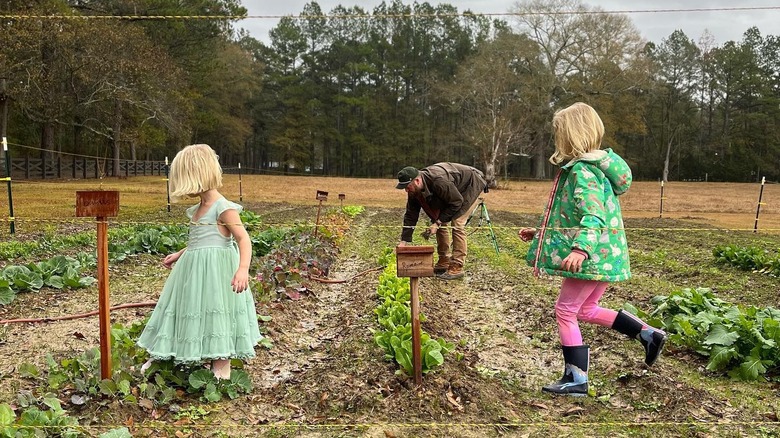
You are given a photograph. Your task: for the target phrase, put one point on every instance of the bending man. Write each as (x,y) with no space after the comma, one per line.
(447,192)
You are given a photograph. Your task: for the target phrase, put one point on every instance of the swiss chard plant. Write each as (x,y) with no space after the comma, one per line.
(292,261)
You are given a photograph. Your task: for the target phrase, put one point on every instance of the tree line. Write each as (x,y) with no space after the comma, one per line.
(352,92)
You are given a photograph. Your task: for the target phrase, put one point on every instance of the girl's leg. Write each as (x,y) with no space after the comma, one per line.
(146,365)
(574,293)
(221,369)
(591,311)
(652,339)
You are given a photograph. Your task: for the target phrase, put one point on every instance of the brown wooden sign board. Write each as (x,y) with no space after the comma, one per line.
(414,261)
(321,196)
(97,203)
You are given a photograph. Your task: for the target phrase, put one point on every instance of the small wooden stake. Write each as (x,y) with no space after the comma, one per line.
(321,196)
(416,334)
(103,298)
(101,205)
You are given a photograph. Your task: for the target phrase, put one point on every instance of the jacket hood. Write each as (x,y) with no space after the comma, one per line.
(614,167)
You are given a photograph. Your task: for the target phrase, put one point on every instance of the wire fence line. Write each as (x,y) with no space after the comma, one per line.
(308,223)
(384,15)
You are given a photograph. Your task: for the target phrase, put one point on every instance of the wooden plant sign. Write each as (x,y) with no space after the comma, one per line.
(321,196)
(415,262)
(101,205)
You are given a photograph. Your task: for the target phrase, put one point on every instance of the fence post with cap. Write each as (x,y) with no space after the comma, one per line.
(758,207)
(3,124)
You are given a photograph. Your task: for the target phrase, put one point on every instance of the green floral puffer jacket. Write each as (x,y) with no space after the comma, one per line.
(583,212)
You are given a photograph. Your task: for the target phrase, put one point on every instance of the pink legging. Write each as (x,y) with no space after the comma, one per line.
(579,299)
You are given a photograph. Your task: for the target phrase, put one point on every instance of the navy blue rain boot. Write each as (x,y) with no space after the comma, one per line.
(575,376)
(651,338)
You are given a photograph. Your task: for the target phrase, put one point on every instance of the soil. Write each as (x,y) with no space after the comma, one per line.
(325,376)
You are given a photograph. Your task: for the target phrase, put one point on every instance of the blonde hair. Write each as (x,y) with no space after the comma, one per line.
(577,129)
(194,170)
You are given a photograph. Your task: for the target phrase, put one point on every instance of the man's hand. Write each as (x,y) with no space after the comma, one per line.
(527,234)
(573,261)
(430,231)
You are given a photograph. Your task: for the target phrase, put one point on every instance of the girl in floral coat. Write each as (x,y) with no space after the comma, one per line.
(582,239)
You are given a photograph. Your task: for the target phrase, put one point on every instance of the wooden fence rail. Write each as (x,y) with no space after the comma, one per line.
(80,168)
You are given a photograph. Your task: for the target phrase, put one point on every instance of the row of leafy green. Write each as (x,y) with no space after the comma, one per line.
(743,341)
(61,272)
(394,316)
(129,240)
(748,258)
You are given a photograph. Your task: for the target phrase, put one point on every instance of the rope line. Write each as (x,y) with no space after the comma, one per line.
(87,221)
(536,424)
(411,15)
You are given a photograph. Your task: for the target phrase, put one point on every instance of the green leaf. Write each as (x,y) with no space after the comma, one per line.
(628,307)
(720,335)
(433,359)
(241,379)
(211,393)
(55,281)
(54,404)
(7,295)
(720,357)
(107,387)
(751,368)
(7,416)
(28,370)
(121,432)
(200,378)
(124,387)
(87,281)
(266,343)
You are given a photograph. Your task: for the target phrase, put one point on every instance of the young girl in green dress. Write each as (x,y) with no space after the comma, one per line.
(583,240)
(206,311)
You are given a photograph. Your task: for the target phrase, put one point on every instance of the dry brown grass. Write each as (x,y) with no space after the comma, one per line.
(727,205)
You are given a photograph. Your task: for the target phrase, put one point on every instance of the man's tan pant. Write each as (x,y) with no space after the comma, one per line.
(459,249)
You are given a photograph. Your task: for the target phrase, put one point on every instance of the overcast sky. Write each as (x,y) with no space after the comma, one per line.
(723,25)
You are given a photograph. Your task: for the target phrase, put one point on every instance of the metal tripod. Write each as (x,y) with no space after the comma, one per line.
(484,216)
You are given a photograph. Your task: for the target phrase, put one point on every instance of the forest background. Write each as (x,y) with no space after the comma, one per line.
(360,93)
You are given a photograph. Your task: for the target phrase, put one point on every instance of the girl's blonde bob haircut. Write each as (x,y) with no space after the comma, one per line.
(577,129)
(195,169)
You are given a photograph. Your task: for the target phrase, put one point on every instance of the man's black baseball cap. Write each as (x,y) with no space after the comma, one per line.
(405,176)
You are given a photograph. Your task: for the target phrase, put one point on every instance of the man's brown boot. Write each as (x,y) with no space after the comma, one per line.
(454,272)
(441,266)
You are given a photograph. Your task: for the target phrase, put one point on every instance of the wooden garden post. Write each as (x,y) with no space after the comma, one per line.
(415,262)
(321,196)
(101,205)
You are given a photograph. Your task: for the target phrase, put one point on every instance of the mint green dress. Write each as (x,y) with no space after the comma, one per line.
(198,316)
